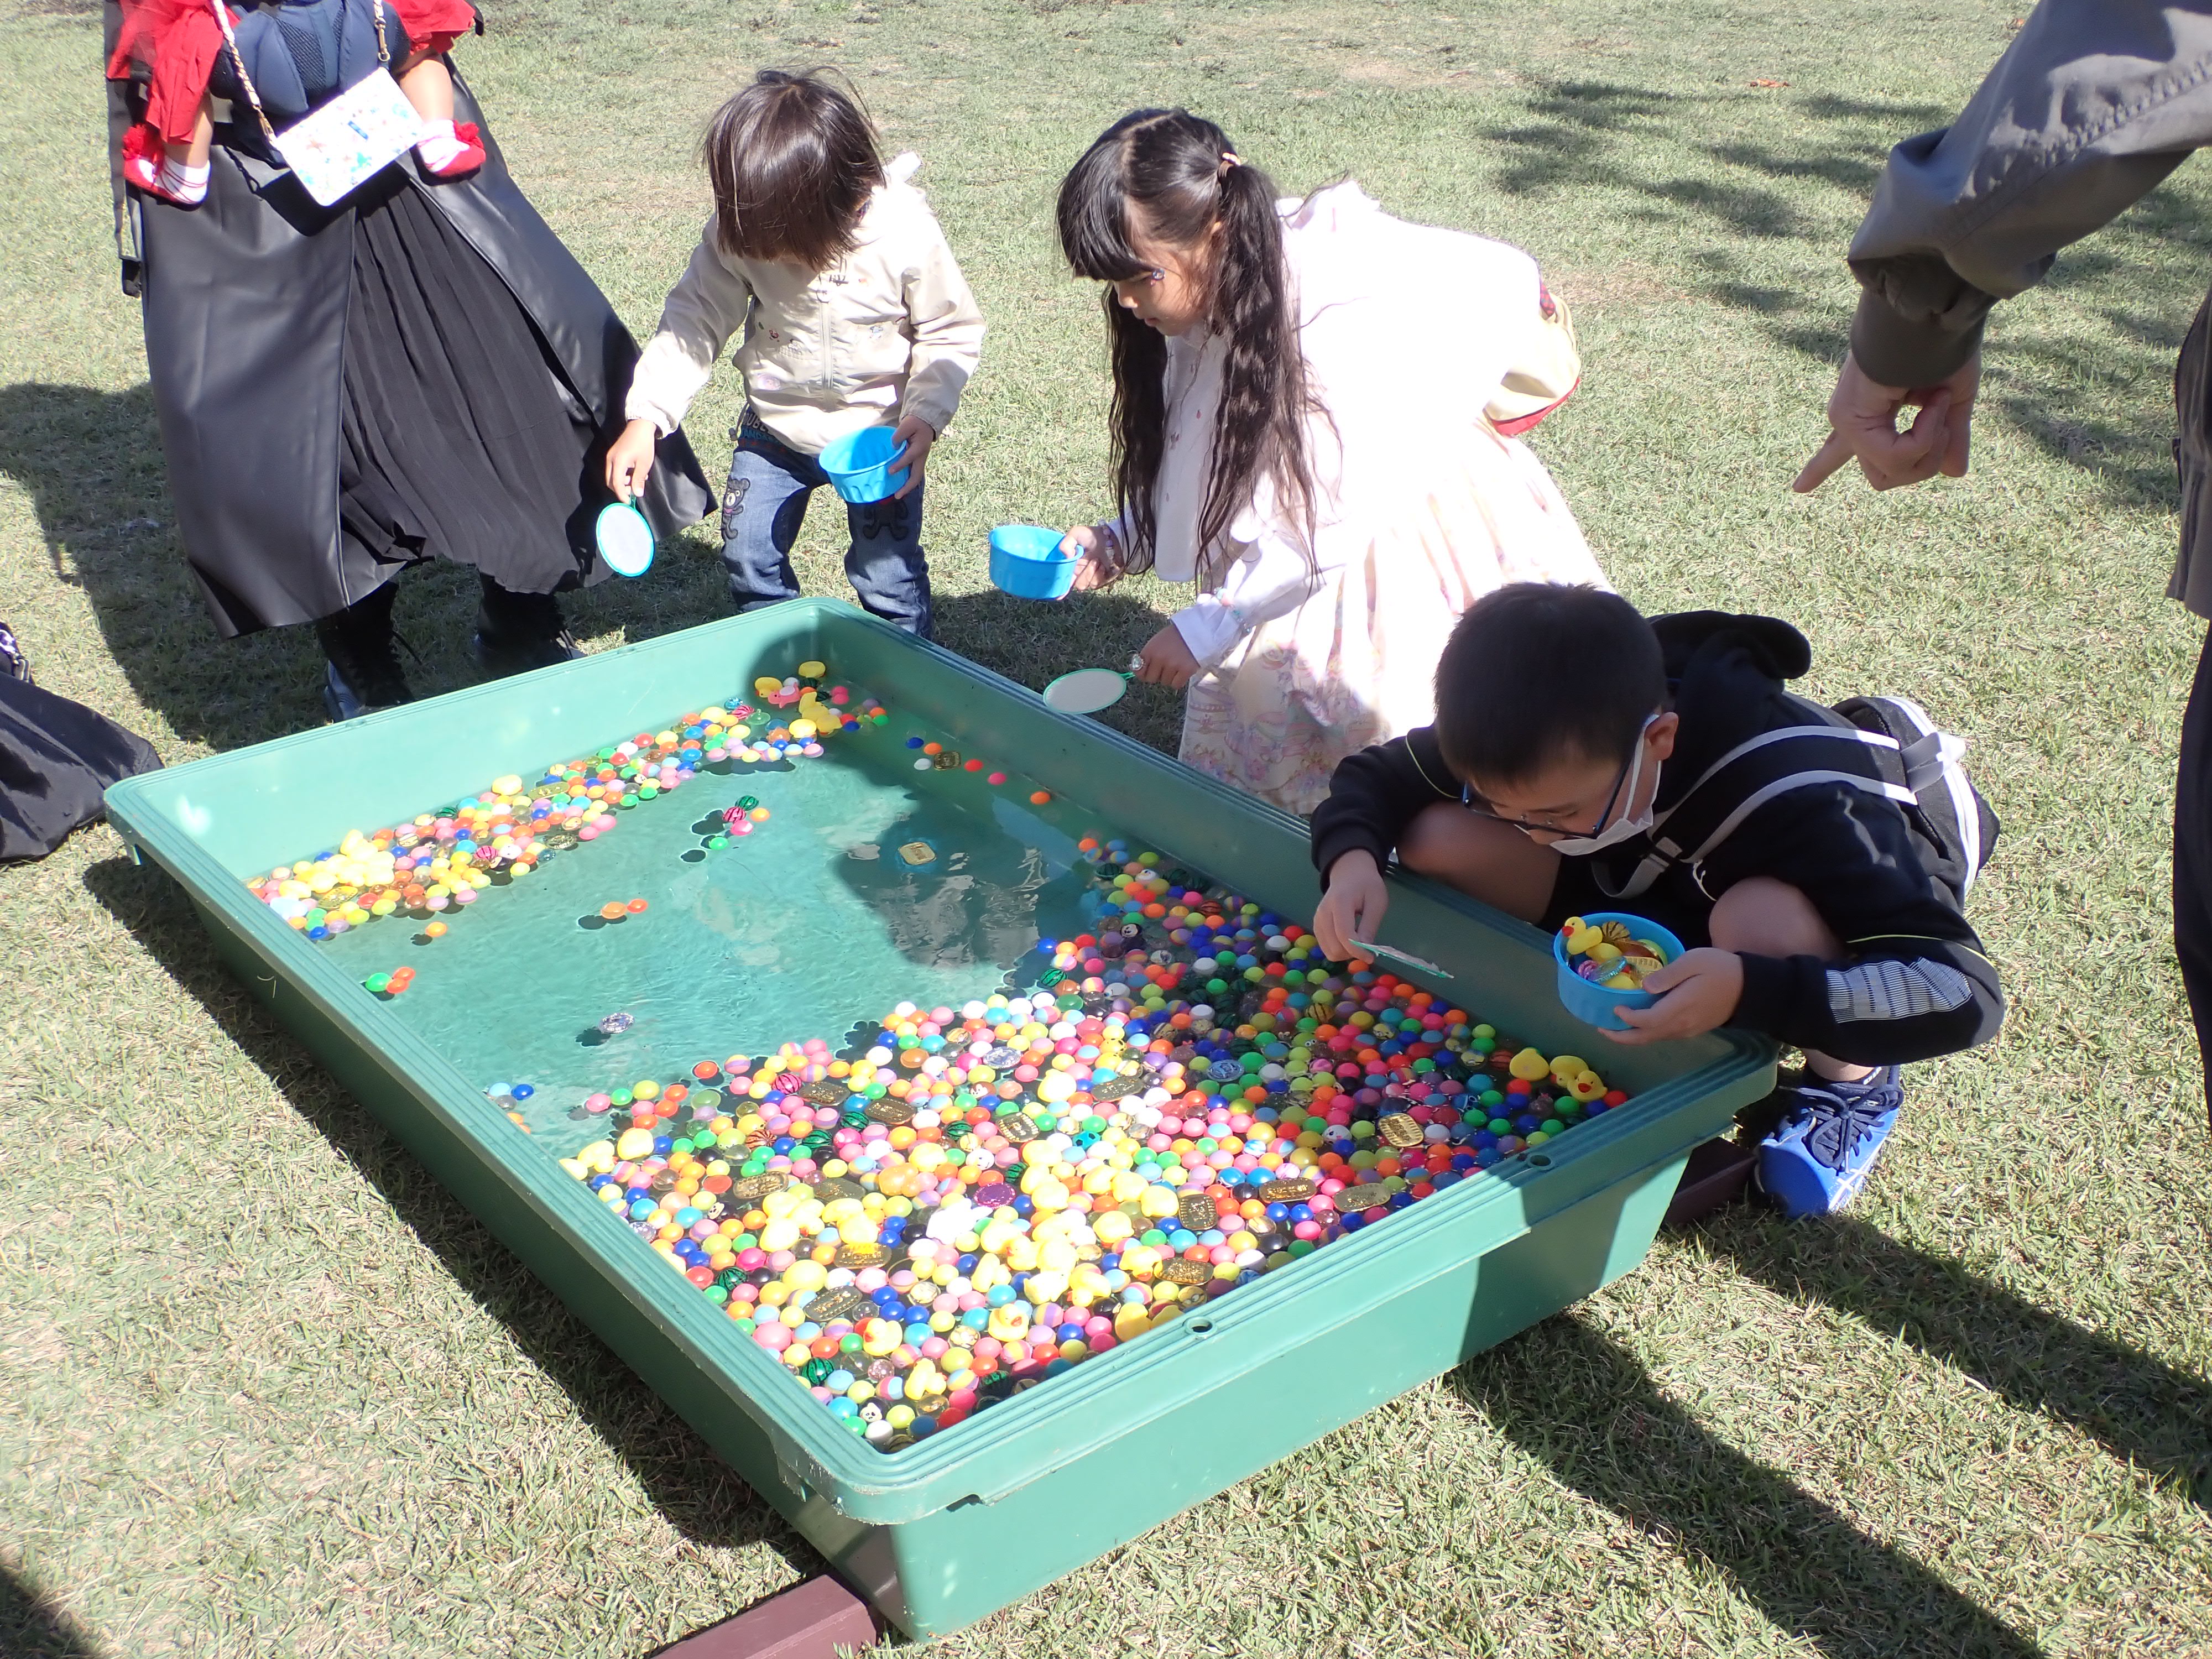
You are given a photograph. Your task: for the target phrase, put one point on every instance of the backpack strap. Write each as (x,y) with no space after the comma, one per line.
(1827,749)
(1956,818)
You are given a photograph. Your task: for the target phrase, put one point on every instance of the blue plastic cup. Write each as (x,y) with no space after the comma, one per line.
(859,465)
(1597,1004)
(1026,561)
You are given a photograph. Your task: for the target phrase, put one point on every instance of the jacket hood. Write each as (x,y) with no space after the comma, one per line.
(1772,645)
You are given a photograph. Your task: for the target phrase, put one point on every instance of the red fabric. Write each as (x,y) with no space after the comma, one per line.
(1515,428)
(433,26)
(177,42)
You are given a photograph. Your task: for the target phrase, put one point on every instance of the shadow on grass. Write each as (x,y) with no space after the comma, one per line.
(33,1627)
(1613,1437)
(2141,1409)
(91,463)
(701,1497)
(2068,394)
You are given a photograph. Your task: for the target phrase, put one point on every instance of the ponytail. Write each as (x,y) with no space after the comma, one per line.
(1194,191)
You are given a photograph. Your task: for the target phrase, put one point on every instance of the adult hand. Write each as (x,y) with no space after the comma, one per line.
(1353,908)
(1100,566)
(917,434)
(1166,660)
(630,460)
(1702,988)
(1862,415)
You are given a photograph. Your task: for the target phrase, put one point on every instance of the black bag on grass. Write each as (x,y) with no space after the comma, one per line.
(56,759)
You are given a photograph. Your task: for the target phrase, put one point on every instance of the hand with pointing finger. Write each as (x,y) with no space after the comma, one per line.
(1862,415)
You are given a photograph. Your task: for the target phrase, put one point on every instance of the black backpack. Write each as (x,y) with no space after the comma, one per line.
(1885,745)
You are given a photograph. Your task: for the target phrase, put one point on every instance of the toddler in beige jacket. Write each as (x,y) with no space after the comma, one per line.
(851,312)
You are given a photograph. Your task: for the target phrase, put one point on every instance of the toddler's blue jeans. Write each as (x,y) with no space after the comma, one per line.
(763,505)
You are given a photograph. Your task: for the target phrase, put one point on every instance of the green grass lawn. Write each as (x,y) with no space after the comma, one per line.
(265,1389)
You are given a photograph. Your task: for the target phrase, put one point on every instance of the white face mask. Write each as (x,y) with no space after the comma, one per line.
(1629,825)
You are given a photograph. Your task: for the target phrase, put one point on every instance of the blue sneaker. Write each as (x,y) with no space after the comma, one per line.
(1816,1163)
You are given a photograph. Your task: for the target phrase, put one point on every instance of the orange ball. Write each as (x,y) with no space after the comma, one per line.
(1038,797)
(611,911)
(635,906)
(436,930)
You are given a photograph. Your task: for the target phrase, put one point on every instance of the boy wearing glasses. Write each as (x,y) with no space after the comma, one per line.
(1572,735)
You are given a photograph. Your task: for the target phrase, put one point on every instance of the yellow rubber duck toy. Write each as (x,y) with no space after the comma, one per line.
(1581,937)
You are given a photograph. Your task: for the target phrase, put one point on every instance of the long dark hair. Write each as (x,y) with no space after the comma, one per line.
(792,158)
(1178,171)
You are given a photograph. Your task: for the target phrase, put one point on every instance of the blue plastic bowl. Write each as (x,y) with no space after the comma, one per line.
(859,465)
(1594,1004)
(1026,561)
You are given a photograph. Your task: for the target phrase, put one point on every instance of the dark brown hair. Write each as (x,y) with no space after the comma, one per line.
(1516,691)
(792,158)
(1178,170)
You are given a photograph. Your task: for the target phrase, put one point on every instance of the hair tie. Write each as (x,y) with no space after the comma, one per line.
(1230,159)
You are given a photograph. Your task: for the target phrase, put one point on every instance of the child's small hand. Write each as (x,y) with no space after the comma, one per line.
(1100,566)
(1702,988)
(1353,908)
(1166,660)
(917,434)
(629,460)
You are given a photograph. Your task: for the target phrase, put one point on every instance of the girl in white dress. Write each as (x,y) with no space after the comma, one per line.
(1299,428)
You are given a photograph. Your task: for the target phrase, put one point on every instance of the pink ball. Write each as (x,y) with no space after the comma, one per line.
(598,1103)
(934,1347)
(587,833)
(1305,1230)
(774,1338)
(465,895)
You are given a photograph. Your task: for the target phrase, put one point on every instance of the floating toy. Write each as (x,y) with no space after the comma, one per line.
(981,1197)
(446,860)
(616,1025)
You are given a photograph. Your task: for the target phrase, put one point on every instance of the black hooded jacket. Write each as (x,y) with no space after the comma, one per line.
(1916,983)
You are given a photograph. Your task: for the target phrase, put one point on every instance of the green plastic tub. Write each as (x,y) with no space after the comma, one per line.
(951,1528)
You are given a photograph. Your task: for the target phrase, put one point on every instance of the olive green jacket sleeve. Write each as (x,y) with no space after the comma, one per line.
(2093,105)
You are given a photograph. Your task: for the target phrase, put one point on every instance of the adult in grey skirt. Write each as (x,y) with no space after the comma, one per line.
(2093,105)
(421,371)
